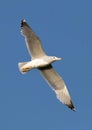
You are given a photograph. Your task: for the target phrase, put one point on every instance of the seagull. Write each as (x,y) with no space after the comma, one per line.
(43,63)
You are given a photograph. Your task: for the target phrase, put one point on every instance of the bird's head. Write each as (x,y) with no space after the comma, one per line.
(54,58)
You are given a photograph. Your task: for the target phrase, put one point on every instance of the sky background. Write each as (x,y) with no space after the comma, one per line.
(65,29)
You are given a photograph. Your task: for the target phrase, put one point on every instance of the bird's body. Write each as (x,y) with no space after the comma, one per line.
(37,63)
(43,63)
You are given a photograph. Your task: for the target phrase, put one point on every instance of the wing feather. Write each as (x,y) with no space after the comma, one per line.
(33,43)
(57,84)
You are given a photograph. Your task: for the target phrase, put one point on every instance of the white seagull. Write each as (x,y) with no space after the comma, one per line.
(43,63)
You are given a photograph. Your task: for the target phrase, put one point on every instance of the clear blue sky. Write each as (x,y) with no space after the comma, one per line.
(65,29)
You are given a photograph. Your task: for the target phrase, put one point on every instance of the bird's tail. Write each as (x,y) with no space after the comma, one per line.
(23,67)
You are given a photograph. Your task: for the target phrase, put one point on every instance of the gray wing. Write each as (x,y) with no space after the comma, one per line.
(32,41)
(57,84)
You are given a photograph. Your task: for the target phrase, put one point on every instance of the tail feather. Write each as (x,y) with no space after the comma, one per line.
(22,68)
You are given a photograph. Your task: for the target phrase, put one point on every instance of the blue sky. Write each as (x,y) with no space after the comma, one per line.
(65,29)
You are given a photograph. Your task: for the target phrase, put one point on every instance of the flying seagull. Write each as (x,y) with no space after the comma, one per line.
(42,62)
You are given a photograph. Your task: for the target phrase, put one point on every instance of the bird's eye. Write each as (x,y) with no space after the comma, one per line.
(54,57)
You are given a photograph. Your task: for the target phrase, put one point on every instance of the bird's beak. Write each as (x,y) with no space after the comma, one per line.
(58,58)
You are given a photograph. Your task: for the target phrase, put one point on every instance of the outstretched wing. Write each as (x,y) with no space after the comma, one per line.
(58,85)
(32,41)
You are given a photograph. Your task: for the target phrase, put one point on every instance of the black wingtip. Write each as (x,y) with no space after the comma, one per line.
(71,106)
(23,21)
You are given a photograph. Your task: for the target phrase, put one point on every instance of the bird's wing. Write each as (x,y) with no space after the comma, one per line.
(32,41)
(57,84)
